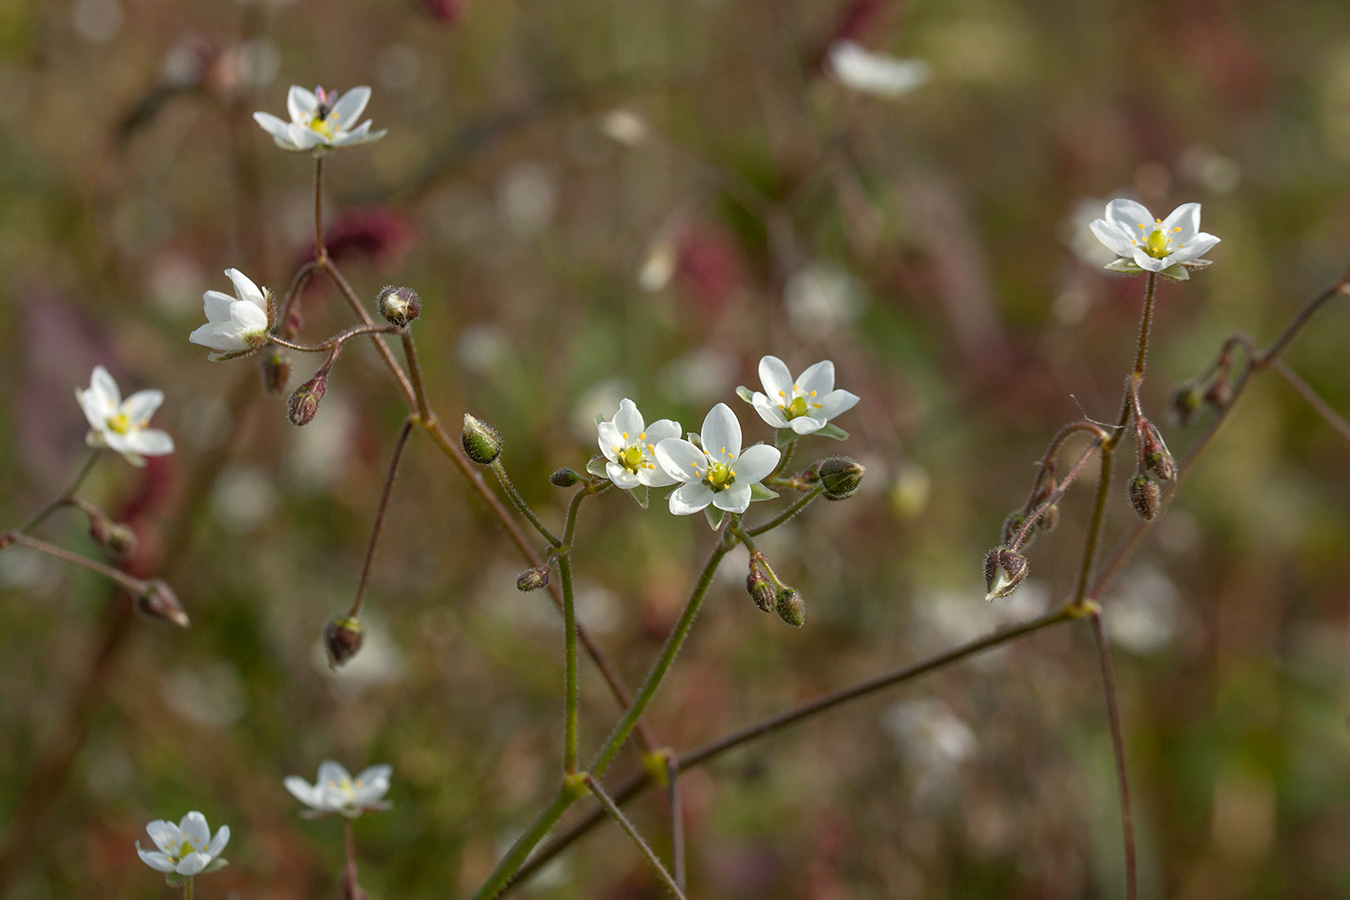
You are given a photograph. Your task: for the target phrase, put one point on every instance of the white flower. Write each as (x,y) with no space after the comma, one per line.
(320,121)
(120,424)
(185,849)
(875,73)
(716,472)
(234,325)
(630,447)
(336,791)
(805,404)
(1144,244)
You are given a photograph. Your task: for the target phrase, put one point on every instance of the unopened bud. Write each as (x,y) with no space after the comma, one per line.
(1183,403)
(1004,570)
(1012,527)
(840,476)
(342,638)
(760,590)
(1145,497)
(276,370)
(118,539)
(1219,394)
(1050,517)
(564,477)
(481,441)
(158,602)
(532,579)
(1153,451)
(791,607)
(304,402)
(399,305)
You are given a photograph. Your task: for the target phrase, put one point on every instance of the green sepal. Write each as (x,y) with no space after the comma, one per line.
(216,864)
(173,879)
(784,436)
(834,432)
(596,466)
(760,492)
(639,494)
(1176,273)
(714,516)
(745,393)
(599,417)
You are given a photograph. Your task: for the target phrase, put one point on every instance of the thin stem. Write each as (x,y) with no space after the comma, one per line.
(1145,324)
(320,251)
(617,815)
(41,515)
(336,340)
(520,850)
(292,295)
(187,889)
(133,586)
(1305,390)
(1060,490)
(330,268)
(379,514)
(415,374)
(797,506)
(1118,748)
(519,503)
(350,888)
(784,457)
(676,820)
(571,679)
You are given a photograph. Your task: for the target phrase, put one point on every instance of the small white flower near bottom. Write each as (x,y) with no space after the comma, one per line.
(629,447)
(717,472)
(185,849)
(335,791)
(120,424)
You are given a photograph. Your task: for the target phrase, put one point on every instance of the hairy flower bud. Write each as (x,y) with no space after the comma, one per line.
(1050,517)
(532,579)
(399,305)
(840,476)
(1145,497)
(1153,452)
(564,477)
(481,441)
(1183,403)
(304,402)
(760,590)
(1004,570)
(342,638)
(276,370)
(791,607)
(1012,527)
(158,602)
(118,539)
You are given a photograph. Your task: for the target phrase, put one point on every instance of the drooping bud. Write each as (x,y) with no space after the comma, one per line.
(791,607)
(1012,527)
(342,638)
(304,402)
(564,477)
(1153,451)
(399,305)
(276,370)
(1145,497)
(118,539)
(760,590)
(532,579)
(1219,394)
(481,441)
(840,476)
(159,602)
(1004,570)
(1050,517)
(1183,403)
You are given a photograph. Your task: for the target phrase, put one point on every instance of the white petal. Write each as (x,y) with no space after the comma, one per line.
(347,110)
(1187,218)
(245,289)
(681,460)
(141,405)
(1113,236)
(655,477)
(1148,263)
(303,138)
(344,137)
(756,463)
(95,409)
(210,336)
(195,829)
(1195,248)
(621,477)
(734,499)
(806,424)
(721,434)
(302,790)
(835,402)
(331,772)
(875,73)
(102,383)
(690,498)
(217,306)
(157,861)
(377,774)
(769,411)
(272,125)
(301,104)
(609,439)
(818,379)
(628,419)
(150,442)
(777,380)
(192,863)
(219,841)
(661,429)
(1129,215)
(166,835)
(247,319)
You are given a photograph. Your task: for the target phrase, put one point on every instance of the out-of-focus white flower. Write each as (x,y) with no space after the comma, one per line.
(624,126)
(185,849)
(875,73)
(337,792)
(715,470)
(234,325)
(630,447)
(320,121)
(822,298)
(805,404)
(933,741)
(1168,246)
(120,424)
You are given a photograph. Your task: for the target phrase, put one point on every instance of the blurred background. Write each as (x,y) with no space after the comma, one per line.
(602,199)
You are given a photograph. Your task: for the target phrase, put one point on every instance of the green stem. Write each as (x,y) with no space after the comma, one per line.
(797,506)
(520,850)
(617,815)
(41,515)
(783,459)
(187,889)
(521,506)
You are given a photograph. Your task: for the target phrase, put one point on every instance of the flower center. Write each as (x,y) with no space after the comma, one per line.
(120,423)
(631,458)
(720,477)
(185,849)
(1158,244)
(800,405)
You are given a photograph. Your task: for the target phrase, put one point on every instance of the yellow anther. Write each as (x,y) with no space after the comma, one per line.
(120,423)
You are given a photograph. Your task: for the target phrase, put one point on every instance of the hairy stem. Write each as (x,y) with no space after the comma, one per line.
(617,815)
(797,506)
(521,506)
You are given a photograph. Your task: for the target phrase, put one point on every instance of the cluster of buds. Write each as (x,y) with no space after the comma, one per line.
(1155,464)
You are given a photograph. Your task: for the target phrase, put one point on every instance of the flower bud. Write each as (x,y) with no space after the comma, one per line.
(1050,517)
(342,638)
(1153,451)
(481,441)
(158,602)
(564,477)
(1012,527)
(399,305)
(276,370)
(304,402)
(791,607)
(532,579)
(760,590)
(1004,570)
(1145,497)
(118,539)
(1182,404)
(1219,394)
(840,476)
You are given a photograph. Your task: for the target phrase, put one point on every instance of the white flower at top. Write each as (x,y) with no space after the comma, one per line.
(320,121)
(630,447)
(234,325)
(804,404)
(1167,246)
(336,791)
(120,424)
(717,472)
(875,73)
(185,849)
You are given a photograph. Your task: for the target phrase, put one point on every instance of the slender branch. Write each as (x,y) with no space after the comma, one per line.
(350,888)
(41,515)
(617,815)
(1118,748)
(336,340)
(415,375)
(133,586)
(330,268)
(379,514)
(676,820)
(520,850)
(1060,490)
(521,506)
(1145,324)
(571,681)
(799,505)
(784,457)
(320,251)
(1305,390)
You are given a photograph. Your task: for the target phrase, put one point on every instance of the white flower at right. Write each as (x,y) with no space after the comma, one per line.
(336,791)
(875,73)
(804,404)
(234,325)
(320,120)
(1144,244)
(718,472)
(120,424)
(630,447)
(185,849)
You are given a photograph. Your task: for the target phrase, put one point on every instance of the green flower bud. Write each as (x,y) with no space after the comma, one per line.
(481,441)
(1145,497)
(564,477)
(532,579)
(1183,403)
(791,607)
(840,476)
(760,590)
(399,305)
(304,402)
(342,638)
(159,602)
(1004,570)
